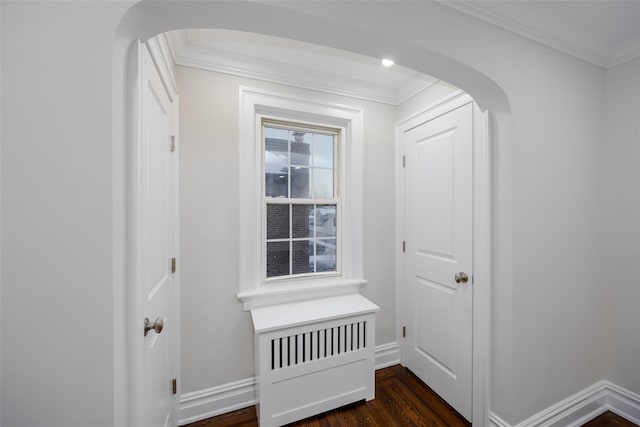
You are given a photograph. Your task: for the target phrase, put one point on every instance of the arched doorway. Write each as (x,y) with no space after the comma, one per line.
(147,19)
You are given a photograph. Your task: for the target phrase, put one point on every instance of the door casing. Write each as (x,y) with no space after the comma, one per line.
(481,343)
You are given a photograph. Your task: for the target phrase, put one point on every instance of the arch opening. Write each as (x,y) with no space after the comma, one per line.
(147,19)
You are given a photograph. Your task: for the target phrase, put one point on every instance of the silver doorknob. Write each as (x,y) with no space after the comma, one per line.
(156,326)
(461,277)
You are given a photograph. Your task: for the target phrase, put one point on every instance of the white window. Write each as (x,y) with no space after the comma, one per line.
(300,199)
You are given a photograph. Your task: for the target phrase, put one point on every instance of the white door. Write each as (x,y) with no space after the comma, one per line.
(438,255)
(152,229)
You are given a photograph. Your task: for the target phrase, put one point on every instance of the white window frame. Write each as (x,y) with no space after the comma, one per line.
(254,106)
(338,191)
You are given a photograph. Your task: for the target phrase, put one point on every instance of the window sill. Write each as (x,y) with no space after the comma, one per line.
(281,294)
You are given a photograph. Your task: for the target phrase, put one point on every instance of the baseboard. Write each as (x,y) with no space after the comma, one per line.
(203,404)
(387,355)
(583,406)
(496,421)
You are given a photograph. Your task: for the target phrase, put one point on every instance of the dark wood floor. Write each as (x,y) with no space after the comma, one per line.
(609,419)
(402,400)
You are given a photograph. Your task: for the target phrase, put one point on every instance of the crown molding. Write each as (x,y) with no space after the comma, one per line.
(627,52)
(220,61)
(162,57)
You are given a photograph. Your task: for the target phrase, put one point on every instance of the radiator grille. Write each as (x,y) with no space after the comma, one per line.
(309,346)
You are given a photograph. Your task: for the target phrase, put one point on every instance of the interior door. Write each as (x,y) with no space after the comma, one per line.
(438,254)
(154,326)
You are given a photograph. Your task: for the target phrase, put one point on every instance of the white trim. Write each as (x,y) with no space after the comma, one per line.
(582,407)
(481,243)
(482,261)
(291,293)
(210,402)
(202,404)
(255,103)
(163,59)
(628,51)
(221,61)
(442,101)
(387,355)
(496,421)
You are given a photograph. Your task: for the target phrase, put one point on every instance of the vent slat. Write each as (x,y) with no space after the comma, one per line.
(317,344)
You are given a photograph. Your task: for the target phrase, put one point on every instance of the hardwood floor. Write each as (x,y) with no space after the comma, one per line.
(609,419)
(402,400)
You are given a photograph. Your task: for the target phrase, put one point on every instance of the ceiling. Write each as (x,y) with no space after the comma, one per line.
(295,63)
(602,32)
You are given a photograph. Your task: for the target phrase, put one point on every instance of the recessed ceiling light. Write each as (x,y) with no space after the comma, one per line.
(387,62)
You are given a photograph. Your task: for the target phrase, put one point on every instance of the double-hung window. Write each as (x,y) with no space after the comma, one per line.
(300,198)
(301,207)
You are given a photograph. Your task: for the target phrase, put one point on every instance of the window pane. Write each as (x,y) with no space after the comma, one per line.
(276,184)
(276,159)
(323,150)
(276,145)
(326,255)
(277,259)
(323,184)
(275,133)
(300,148)
(325,221)
(277,221)
(302,257)
(302,221)
(300,182)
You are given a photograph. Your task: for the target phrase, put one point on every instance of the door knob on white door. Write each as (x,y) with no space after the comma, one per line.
(461,277)
(156,326)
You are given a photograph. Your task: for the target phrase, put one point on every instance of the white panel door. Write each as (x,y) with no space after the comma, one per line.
(438,235)
(154,400)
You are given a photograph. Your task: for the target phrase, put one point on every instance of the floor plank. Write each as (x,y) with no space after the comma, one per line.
(402,400)
(609,419)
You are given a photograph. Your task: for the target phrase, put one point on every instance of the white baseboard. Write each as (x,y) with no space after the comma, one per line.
(203,404)
(496,421)
(387,355)
(583,406)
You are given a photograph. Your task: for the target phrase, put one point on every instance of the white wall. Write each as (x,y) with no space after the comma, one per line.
(620,282)
(217,336)
(57,215)
(62,143)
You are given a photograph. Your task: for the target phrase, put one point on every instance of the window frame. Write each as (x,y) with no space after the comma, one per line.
(338,166)
(255,105)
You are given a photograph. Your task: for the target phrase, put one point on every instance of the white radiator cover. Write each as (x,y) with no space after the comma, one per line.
(313,356)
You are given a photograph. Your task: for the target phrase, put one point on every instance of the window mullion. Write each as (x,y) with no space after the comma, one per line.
(290,239)
(315,240)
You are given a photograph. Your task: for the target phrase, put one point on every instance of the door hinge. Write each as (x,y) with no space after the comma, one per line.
(172,147)
(404,161)
(404,246)
(174,386)
(173,265)
(404,332)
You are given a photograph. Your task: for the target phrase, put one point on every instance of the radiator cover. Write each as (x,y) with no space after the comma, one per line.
(313,356)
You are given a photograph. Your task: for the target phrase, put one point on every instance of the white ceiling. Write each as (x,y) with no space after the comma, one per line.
(602,32)
(295,63)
